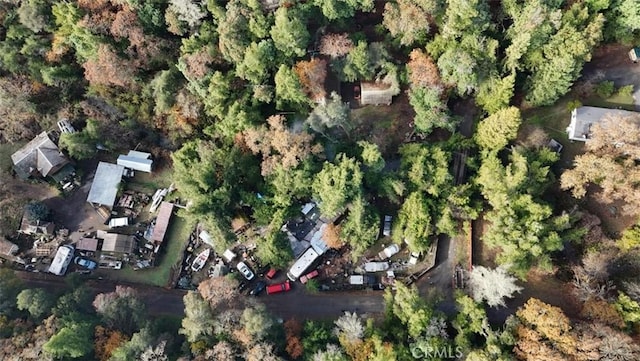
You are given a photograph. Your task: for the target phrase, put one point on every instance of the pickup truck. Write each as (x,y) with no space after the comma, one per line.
(308,276)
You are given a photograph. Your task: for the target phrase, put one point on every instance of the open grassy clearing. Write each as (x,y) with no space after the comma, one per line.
(149,182)
(5,155)
(176,238)
(386,126)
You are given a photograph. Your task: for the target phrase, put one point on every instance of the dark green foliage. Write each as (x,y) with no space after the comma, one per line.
(122,309)
(207,173)
(289,32)
(10,286)
(431,112)
(360,229)
(316,335)
(605,89)
(36,211)
(289,93)
(525,228)
(337,184)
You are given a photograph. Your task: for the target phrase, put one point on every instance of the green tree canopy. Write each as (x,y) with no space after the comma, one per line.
(289,32)
(72,341)
(496,131)
(361,227)
(337,184)
(35,300)
(289,92)
(430,110)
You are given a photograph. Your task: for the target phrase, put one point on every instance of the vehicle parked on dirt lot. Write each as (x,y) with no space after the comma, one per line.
(386,229)
(245,270)
(375,266)
(388,252)
(257,290)
(308,276)
(271,273)
(279,287)
(415,257)
(86,263)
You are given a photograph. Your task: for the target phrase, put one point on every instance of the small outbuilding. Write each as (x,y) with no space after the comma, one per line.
(135,160)
(377,93)
(118,243)
(162,222)
(39,157)
(106,183)
(87,244)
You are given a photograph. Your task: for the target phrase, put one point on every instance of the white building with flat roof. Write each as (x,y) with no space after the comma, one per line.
(583,118)
(135,160)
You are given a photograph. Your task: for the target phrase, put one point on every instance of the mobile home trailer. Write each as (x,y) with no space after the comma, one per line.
(306,260)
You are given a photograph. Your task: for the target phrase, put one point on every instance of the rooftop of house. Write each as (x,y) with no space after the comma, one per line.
(376,93)
(38,227)
(583,118)
(106,181)
(41,155)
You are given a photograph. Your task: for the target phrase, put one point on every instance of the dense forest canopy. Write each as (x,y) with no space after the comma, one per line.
(253,104)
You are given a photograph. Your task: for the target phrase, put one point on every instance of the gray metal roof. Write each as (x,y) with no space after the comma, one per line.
(583,118)
(104,188)
(135,163)
(377,93)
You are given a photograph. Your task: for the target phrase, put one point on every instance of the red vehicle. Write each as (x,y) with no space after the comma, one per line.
(308,276)
(272,273)
(278,287)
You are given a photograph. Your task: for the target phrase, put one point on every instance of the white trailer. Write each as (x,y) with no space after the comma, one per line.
(306,260)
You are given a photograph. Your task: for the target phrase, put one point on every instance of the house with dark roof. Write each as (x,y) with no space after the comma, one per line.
(39,157)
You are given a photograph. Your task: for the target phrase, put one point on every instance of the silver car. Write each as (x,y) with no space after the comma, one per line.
(245,270)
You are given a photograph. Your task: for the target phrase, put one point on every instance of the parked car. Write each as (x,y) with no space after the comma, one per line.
(386,230)
(279,287)
(260,286)
(308,276)
(388,252)
(415,257)
(271,273)
(245,270)
(86,263)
